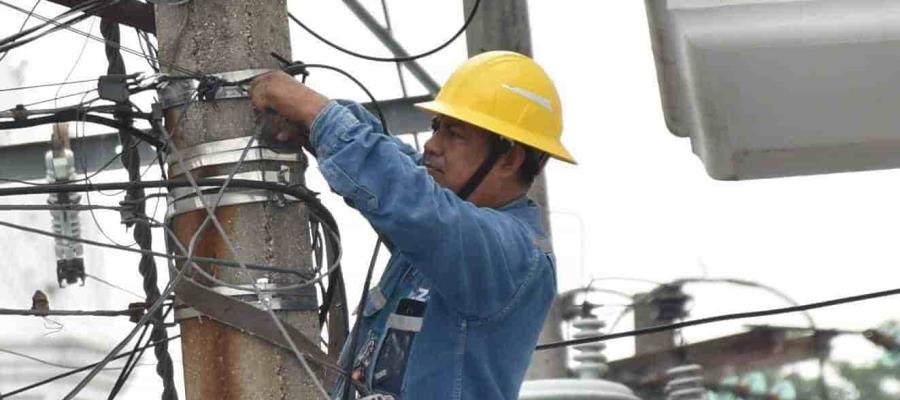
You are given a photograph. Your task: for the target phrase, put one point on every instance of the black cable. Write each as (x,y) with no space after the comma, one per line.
(357,82)
(57,26)
(55,207)
(131,160)
(135,357)
(142,39)
(19,106)
(719,318)
(313,203)
(468,21)
(361,309)
(27,17)
(300,192)
(66,313)
(76,114)
(47,21)
(92,37)
(75,371)
(12,89)
(198,260)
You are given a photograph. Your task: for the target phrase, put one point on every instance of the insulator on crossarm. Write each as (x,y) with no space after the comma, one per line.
(590,363)
(685,383)
(60,164)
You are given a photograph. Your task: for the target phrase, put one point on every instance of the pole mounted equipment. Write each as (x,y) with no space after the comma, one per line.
(60,163)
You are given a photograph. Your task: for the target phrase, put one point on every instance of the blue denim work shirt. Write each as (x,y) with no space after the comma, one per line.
(458,310)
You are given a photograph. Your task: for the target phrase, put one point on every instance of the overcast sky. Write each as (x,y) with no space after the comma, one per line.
(639,203)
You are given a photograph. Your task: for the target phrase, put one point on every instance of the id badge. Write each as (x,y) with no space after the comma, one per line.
(402,327)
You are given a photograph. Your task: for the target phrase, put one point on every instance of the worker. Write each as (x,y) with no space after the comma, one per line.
(458,310)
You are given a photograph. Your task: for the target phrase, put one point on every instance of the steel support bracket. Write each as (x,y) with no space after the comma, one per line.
(249,319)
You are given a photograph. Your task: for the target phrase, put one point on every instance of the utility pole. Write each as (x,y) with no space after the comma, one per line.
(503,25)
(219,36)
(663,306)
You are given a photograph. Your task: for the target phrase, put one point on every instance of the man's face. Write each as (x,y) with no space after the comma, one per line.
(455,151)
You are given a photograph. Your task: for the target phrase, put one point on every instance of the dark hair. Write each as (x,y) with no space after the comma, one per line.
(532,165)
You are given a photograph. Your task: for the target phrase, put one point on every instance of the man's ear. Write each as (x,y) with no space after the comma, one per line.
(509,164)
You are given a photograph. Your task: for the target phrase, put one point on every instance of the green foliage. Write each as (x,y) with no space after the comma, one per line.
(867,381)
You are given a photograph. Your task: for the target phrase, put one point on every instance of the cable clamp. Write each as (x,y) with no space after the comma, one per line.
(213,87)
(115,87)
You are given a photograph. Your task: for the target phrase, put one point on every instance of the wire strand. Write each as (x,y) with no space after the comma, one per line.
(92,37)
(27,17)
(81,369)
(12,89)
(719,318)
(468,21)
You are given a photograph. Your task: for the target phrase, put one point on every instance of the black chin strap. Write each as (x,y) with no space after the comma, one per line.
(498,147)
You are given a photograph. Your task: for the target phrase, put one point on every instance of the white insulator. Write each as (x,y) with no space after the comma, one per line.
(685,383)
(64,222)
(590,363)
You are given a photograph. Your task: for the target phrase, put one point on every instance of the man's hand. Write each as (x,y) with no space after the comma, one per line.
(290,107)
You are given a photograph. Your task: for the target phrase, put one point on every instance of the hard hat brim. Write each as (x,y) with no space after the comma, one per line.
(552,147)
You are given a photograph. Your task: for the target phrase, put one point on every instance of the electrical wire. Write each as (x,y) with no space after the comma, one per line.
(468,21)
(43,85)
(387,23)
(741,282)
(87,178)
(211,216)
(54,99)
(144,320)
(78,370)
(724,317)
(18,39)
(55,207)
(136,354)
(202,260)
(362,302)
(83,6)
(112,285)
(75,64)
(66,313)
(35,359)
(92,37)
(57,26)
(27,17)
(78,114)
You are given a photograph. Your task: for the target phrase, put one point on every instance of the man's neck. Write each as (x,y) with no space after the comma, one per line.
(499,198)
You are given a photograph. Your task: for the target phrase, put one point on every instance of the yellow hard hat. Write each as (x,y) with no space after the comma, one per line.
(508,94)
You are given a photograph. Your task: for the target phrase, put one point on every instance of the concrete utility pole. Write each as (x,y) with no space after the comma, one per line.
(216,36)
(503,25)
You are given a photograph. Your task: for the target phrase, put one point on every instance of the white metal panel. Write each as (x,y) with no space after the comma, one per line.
(779,88)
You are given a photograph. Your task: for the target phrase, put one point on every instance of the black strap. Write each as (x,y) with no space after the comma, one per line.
(498,147)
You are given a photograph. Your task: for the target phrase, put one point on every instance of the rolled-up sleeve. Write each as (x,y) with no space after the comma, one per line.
(476,258)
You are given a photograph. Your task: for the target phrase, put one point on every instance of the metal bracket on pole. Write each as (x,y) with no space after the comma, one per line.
(295,300)
(248,318)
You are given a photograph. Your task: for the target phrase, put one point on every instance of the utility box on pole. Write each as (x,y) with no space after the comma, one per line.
(236,36)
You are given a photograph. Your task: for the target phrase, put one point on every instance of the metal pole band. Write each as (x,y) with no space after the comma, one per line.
(301,299)
(227,151)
